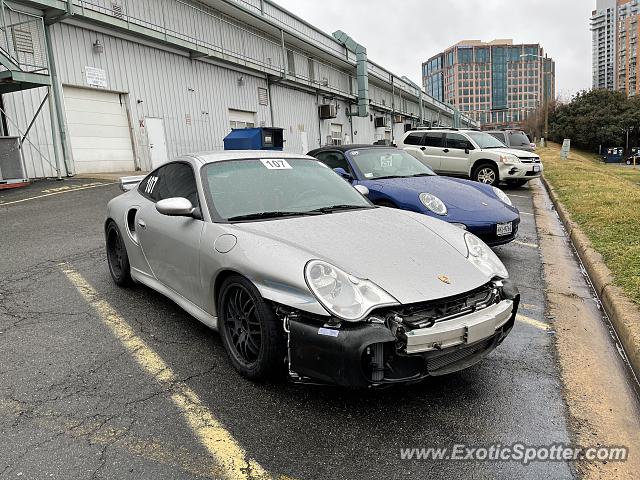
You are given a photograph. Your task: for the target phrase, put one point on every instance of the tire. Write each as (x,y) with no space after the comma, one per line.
(251,334)
(517,183)
(487,173)
(117,257)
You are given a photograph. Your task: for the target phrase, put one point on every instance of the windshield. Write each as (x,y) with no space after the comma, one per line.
(240,190)
(484,140)
(519,139)
(387,163)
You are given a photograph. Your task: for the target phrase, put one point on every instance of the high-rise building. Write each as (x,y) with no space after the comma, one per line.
(615,31)
(496,83)
(604,39)
(628,32)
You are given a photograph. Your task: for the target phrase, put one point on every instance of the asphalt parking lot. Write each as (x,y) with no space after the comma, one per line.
(75,403)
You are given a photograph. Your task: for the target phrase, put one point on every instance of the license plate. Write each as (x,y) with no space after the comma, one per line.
(536,168)
(504,229)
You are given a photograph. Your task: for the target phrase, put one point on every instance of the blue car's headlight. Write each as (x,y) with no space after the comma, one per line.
(502,196)
(433,203)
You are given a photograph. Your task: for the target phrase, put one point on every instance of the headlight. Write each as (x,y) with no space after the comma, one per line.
(508,158)
(433,203)
(502,196)
(345,296)
(483,257)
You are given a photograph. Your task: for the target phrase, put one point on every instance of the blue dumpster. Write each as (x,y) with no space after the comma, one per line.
(614,155)
(266,138)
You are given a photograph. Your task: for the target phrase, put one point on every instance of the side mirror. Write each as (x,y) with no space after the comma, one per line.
(175,207)
(362,189)
(343,173)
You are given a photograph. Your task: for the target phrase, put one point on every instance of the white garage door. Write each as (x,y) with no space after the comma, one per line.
(98,130)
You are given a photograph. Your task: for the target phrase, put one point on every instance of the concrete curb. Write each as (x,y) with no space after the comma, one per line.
(623,313)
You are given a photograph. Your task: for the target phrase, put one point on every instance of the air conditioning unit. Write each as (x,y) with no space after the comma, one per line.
(327,111)
(397,119)
(380,122)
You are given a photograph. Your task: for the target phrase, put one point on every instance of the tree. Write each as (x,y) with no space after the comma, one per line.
(595,118)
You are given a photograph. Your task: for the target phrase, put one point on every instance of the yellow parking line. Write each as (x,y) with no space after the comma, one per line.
(526,244)
(533,322)
(69,190)
(231,458)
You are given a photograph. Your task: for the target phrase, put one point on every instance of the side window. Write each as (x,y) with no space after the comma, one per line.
(499,136)
(171,180)
(334,160)
(433,139)
(414,139)
(457,141)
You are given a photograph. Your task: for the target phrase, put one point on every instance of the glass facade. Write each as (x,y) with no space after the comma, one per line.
(497,84)
(498,78)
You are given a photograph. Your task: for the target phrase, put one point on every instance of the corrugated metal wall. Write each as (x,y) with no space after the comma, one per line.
(193,97)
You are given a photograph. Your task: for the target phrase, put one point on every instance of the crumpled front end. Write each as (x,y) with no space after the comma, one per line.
(401,344)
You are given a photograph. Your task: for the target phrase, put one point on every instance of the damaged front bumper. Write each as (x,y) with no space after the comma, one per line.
(405,344)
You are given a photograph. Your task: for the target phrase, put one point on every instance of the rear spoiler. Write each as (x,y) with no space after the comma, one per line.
(129,183)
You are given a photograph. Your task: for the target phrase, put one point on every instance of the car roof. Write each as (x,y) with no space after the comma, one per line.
(504,130)
(347,148)
(222,155)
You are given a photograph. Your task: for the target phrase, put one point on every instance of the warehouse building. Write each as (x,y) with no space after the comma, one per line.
(117,85)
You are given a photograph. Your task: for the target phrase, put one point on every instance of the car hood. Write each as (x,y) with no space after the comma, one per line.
(456,193)
(402,252)
(513,151)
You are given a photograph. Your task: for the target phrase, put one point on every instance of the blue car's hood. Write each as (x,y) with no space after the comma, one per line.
(456,193)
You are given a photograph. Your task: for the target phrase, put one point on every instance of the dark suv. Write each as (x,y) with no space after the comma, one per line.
(514,139)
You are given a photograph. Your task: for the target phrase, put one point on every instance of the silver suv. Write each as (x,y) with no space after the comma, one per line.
(473,154)
(514,139)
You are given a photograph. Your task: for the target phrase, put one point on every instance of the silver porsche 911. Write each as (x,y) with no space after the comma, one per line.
(302,276)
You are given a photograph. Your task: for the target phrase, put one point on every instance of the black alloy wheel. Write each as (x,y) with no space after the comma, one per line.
(251,334)
(117,257)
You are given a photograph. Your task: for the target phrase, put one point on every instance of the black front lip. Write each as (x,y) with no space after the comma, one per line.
(338,355)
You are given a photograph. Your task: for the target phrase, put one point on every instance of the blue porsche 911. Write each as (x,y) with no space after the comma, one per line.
(398,180)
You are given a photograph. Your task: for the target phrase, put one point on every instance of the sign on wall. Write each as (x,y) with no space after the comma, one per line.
(96,77)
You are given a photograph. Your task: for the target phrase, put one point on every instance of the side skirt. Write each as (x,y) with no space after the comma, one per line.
(192,309)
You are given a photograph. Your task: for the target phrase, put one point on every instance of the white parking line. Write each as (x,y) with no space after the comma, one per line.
(525,213)
(533,322)
(519,196)
(232,459)
(526,244)
(84,187)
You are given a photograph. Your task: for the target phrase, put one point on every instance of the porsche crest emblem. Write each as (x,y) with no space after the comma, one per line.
(444,279)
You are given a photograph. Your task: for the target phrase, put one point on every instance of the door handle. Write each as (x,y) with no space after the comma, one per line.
(446,150)
(142,224)
(423,148)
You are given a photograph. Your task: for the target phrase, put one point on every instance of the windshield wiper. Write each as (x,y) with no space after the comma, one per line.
(259,215)
(334,208)
(388,176)
(422,175)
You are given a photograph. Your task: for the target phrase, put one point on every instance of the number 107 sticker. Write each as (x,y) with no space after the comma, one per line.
(273,164)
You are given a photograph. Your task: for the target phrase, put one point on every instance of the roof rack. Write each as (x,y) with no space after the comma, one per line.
(435,128)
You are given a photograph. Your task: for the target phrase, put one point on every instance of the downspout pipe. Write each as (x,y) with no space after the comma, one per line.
(362,74)
(57,100)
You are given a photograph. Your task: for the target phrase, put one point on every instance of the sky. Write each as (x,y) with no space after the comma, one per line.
(401,34)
